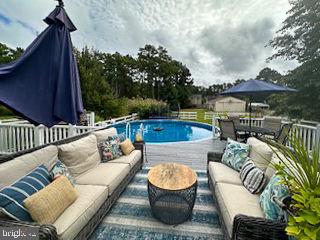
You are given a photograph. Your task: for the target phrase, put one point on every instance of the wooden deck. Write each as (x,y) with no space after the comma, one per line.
(192,154)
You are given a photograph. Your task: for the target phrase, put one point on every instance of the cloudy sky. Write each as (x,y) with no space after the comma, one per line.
(219,40)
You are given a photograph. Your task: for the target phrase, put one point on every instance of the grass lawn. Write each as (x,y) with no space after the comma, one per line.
(200,114)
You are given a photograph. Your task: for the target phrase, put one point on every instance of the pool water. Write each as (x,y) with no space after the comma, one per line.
(163,131)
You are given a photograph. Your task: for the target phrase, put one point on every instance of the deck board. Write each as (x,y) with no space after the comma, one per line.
(192,154)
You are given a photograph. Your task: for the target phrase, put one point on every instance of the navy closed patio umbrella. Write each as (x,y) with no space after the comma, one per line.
(254,87)
(43,85)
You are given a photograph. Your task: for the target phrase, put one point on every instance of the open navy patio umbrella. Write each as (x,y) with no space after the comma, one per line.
(43,85)
(254,87)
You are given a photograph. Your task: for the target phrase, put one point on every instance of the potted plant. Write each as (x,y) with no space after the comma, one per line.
(299,171)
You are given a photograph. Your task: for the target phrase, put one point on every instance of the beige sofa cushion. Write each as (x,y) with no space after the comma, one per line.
(220,173)
(260,153)
(131,159)
(105,174)
(77,215)
(24,164)
(234,200)
(103,134)
(80,155)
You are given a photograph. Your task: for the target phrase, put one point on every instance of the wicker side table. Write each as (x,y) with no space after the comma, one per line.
(172,190)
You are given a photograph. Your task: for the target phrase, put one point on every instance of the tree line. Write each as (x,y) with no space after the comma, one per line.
(108,80)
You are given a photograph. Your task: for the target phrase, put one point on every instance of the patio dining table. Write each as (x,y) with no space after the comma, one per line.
(255,130)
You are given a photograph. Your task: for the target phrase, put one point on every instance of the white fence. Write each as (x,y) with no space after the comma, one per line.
(309,134)
(186,115)
(16,137)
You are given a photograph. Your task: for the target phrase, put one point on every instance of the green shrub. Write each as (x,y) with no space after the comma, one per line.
(147,107)
(5,111)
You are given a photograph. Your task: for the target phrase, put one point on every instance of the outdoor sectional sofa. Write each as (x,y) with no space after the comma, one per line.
(98,188)
(240,213)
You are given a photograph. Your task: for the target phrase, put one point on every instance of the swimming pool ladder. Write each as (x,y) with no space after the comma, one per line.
(128,130)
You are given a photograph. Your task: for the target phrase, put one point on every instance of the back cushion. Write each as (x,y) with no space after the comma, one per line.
(275,160)
(104,134)
(17,168)
(80,155)
(260,153)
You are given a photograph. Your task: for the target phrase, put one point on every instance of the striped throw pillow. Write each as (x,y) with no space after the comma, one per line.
(252,177)
(12,197)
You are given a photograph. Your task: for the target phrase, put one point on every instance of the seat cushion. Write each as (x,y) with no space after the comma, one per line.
(102,135)
(105,174)
(221,173)
(260,153)
(17,168)
(81,155)
(234,200)
(76,216)
(131,159)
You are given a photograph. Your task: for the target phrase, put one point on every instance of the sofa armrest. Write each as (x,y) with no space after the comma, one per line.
(214,156)
(246,227)
(46,231)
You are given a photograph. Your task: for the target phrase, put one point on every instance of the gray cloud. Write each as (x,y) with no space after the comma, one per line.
(218,40)
(237,47)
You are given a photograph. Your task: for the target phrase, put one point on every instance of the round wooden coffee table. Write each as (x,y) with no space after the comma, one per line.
(172,190)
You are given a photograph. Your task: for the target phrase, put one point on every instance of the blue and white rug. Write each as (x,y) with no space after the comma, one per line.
(131,218)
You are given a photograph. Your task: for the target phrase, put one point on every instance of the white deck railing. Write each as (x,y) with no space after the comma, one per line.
(309,134)
(128,118)
(16,136)
(186,115)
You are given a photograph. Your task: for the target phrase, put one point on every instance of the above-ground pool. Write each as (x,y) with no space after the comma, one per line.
(162,131)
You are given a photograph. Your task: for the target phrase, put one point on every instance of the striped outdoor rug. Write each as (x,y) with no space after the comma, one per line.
(131,218)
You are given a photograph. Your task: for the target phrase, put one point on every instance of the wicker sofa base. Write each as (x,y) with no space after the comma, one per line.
(250,228)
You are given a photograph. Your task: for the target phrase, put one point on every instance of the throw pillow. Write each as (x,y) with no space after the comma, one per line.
(12,197)
(49,203)
(252,177)
(127,147)
(60,169)
(109,150)
(273,190)
(119,137)
(235,154)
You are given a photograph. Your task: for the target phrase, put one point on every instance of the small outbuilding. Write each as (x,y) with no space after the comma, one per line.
(196,100)
(226,104)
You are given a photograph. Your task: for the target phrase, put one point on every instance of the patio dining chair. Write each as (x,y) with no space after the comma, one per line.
(235,119)
(283,135)
(227,129)
(272,123)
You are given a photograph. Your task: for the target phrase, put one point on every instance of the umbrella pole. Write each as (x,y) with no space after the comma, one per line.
(250,112)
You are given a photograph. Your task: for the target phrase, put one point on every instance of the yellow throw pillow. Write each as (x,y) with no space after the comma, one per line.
(50,202)
(127,147)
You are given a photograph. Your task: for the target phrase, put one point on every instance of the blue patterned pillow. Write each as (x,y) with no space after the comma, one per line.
(110,150)
(12,197)
(61,169)
(120,137)
(274,189)
(235,154)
